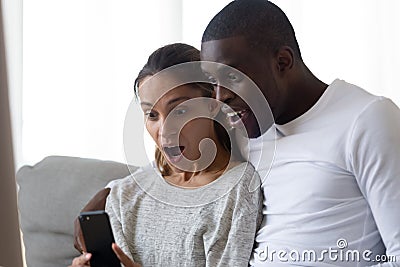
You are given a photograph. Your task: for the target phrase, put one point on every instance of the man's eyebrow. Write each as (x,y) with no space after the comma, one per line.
(220,70)
(230,67)
(226,67)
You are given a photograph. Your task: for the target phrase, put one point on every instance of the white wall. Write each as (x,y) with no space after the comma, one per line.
(80,61)
(356,40)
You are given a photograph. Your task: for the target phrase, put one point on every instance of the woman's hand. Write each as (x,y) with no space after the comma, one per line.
(98,202)
(82,260)
(125,260)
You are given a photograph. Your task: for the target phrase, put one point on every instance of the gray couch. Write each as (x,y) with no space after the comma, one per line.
(51,194)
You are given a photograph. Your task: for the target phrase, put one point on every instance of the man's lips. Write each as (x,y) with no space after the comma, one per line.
(237,116)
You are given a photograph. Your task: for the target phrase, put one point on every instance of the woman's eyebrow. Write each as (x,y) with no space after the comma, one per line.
(174,100)
(146,104)
(170,102)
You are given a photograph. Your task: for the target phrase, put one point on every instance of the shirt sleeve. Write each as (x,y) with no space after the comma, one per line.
(112,183)
(232,242)
(374,157)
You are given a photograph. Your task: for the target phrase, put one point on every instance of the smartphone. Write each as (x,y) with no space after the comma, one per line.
(98,237)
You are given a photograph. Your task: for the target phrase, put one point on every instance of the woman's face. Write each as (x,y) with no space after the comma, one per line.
(176,120)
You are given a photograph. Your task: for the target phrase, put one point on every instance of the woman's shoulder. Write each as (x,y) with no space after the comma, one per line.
(246,175)
(243,168)
(243,192)
(131,181)
(125,192)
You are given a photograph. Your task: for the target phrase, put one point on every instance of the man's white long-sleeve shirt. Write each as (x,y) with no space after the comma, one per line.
(334,184)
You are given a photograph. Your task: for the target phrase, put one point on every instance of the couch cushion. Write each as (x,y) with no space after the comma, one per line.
(51,194)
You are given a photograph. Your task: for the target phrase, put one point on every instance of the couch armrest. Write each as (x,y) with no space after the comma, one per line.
(51,194)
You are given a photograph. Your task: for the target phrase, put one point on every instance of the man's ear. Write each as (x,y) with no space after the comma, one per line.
(285,58)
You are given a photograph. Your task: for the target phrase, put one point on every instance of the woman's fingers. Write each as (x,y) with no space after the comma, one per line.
(125,260)
(82,260)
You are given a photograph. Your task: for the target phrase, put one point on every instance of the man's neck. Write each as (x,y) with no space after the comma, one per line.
(305,93)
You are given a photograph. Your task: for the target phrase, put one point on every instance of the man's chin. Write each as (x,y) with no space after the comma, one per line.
(253,132)
(251,128)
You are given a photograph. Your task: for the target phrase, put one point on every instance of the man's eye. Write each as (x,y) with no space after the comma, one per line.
(233,77)
(212,80)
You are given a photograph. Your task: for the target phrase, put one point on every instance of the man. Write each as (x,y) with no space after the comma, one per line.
(331,195)
(332,192)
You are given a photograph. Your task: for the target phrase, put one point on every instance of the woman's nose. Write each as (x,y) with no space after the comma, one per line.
(167,131)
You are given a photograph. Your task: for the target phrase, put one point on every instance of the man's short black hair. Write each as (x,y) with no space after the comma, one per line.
(261,22)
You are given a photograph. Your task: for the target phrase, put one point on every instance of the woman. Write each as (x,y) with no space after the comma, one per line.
(184,211)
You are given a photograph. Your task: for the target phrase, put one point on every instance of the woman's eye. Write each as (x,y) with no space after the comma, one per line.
(150,115)
(179,111)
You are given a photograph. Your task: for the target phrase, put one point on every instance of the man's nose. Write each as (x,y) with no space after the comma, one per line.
(223,94)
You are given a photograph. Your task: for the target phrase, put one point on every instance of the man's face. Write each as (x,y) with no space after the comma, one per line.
(237,53)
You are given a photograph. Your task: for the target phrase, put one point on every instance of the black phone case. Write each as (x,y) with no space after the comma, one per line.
(98,237)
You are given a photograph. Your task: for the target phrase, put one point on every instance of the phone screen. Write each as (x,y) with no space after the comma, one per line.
(98,237)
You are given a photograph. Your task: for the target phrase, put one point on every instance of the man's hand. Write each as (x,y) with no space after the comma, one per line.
(98,202)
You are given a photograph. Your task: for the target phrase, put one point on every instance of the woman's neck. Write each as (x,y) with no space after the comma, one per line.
(203,177)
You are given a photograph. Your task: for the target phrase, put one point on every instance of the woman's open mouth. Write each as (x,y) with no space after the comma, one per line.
(174,153)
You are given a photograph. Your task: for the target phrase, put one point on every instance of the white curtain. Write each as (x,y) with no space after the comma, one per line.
(81,57)
(12,18)
(10,246)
